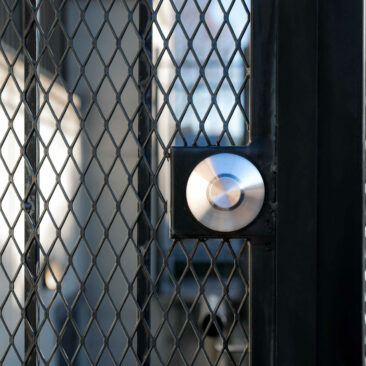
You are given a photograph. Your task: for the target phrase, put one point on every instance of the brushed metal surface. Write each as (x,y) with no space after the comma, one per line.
(225,192)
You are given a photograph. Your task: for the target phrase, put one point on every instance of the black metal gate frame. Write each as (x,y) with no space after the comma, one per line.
(308,55)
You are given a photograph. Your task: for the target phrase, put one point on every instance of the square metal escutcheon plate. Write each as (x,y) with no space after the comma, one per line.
(186,223)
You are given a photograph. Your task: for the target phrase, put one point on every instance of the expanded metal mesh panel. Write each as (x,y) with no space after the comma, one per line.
(92,96)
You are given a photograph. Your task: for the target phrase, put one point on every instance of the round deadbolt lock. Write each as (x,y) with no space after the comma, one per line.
(225,192)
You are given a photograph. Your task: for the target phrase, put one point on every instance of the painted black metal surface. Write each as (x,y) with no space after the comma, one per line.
(319,189)
(296,251)
(340,186)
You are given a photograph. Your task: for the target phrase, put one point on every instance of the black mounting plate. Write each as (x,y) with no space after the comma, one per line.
(184,225)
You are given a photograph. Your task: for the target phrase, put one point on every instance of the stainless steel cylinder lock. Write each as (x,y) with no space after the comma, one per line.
(215,192)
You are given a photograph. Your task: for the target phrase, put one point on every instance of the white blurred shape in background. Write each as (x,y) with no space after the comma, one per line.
(58,126)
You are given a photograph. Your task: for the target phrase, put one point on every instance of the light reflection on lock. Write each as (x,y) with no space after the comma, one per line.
(225,192)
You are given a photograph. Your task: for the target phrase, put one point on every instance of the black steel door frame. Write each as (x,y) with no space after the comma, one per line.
(319,183)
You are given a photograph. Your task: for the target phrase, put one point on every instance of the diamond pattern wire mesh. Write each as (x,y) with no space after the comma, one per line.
(92,96)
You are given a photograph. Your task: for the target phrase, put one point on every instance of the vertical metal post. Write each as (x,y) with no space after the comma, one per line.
(144,180)
(30,179)
(364,178)
(296,229)
(262,132)
(340,188)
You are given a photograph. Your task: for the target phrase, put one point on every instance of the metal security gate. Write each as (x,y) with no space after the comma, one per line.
(94,97)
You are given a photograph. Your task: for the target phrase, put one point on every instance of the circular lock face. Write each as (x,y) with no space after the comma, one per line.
(225,192)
